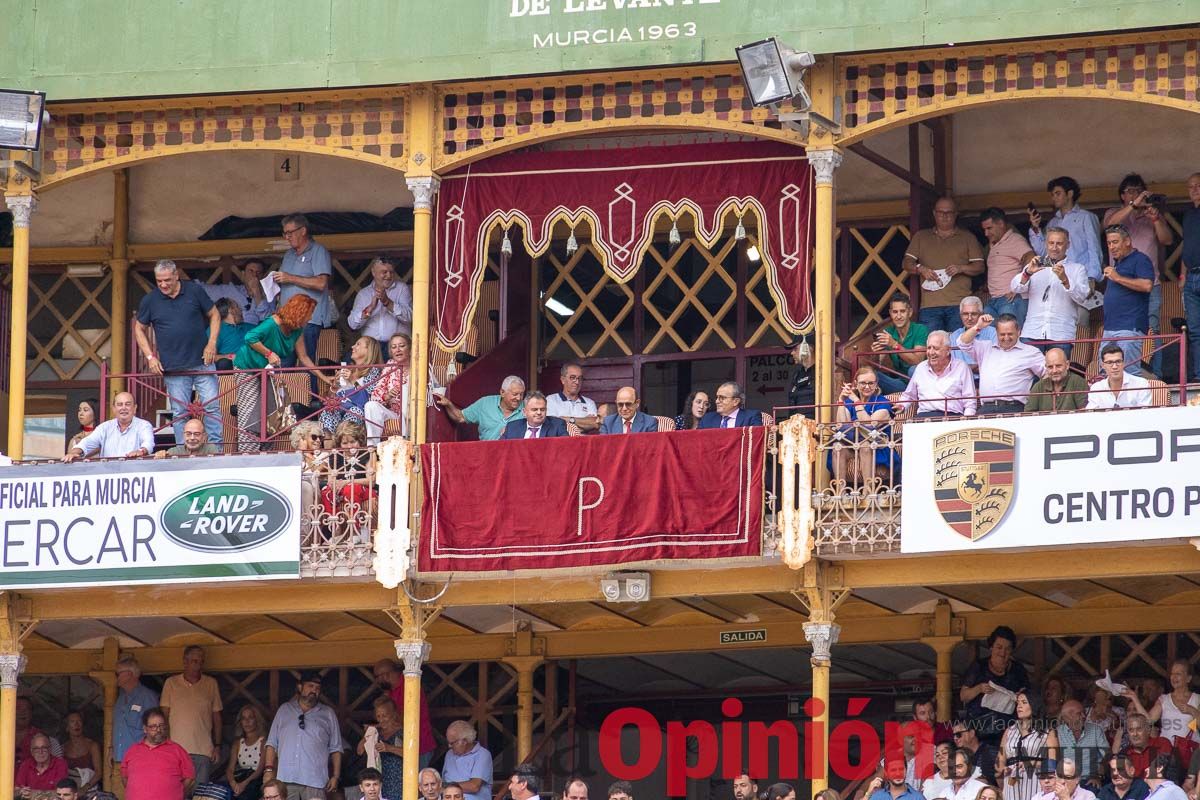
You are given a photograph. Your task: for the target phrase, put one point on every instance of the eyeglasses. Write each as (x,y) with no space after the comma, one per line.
(37,749)
(724,397)
(300,721)
(1108,362)
(959,733)
(287,232)
(157,727)
(626,405)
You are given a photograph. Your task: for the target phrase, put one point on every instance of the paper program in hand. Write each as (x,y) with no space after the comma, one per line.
(1000,700)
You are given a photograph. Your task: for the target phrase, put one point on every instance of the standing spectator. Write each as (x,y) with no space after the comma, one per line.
(1118,389)
(248,296)
(1129,278)
(124,436)
(306,269)
(42,771)
(389,677)
(1055,692)
(26,730)
(383,308)
(940,385)
(1082,741)
(1056,288)
(245,769)
(1000,668)
(88,415)
(389,395)
(1008,253)
(305,737)
(156,768)
(536,424)
(946,257)
(1191,266)
(630,419)
(803,389)
(902,334)
(191,702)
(186,326)
(1148,231)
(468,764)
(354,384)
(490,412)
(694,409)
(970,310)
(1081,225)
(731,409)
(272,340)
(570,405)
(1024,748)
(232,334)
(1178,711)
(82,752)
(1007,368)
(133,700)
(1060,389)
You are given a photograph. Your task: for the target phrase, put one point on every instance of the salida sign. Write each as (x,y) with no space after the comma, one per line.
(135,522)
(603,22)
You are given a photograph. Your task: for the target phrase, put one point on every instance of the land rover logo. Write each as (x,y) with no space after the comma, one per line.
(226,517)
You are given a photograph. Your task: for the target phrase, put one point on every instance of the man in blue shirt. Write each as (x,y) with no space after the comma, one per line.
(1130,278)
(306,269)
(468,763)
(1191,274)
(1082,226)
(305,736)
(133,700)
(895,787)
(186,326)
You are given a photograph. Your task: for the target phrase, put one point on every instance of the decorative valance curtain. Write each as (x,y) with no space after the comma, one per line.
(621,194)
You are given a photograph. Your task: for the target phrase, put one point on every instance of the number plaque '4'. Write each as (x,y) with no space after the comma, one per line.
(287,168)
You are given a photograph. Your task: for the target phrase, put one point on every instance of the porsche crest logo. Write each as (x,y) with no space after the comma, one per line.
(973,478)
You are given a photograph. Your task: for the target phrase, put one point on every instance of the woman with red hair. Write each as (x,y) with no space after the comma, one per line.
(270,342)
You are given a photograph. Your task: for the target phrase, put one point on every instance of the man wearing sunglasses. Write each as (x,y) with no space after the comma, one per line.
(304,747)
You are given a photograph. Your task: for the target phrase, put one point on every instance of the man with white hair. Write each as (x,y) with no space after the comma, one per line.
(186,325)
(940,385)
(383,307)
(970,309)
(468,764)
(490,412)
(429,782)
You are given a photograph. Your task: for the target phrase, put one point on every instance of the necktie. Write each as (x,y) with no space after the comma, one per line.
(628,425)
(533,432)
(727,422)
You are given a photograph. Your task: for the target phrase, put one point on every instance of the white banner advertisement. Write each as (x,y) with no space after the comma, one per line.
(111,523)
(1057,479)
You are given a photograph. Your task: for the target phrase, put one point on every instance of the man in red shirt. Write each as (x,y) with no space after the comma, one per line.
(156,768)
(389,676)
(42,772)
(1143,748)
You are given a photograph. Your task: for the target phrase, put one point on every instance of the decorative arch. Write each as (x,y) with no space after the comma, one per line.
(885,90)
(83,139)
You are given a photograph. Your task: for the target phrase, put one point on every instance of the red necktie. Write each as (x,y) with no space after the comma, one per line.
(628,424)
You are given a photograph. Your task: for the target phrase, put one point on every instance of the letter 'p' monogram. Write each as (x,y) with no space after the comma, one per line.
(587,506)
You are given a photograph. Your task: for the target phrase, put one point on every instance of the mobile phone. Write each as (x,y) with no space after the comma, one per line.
(1032,208)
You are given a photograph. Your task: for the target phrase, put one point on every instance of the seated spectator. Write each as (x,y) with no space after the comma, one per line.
(1103,713)
(1081,740)
(570,405)
(124,436)
(620,790)
(429,782)
(354,384)
(1008,253)
(306,437)
(783,791)
(970,310)
(453,791)
(983,752)
(964,783)
(274,790)
(1129,278)
(248,296)
(349,491)
(940,385)
(82,752)
(1160,777)
(370,784)
(902,334)
(274,339)
(66,789)
(490,412)
(576,789)
(1067,784)
(1176,712)
(195,442)
(1056,289)
(383,307)
(694,409)
(1120,388)
(245,768)
(389,396)
(536,424)
(1007,368)
(1143,746)
(43,771)
(233,332)
(1047,781)
(1060,389)
(628,418)
(863,448)
(1124,780)
(892,785)
(731,412)
(88,415)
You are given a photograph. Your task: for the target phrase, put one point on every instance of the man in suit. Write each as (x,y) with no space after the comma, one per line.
(729,413)
(628,419)
(536,424)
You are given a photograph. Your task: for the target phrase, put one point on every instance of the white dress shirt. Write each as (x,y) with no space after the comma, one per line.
(113,442)
(1135,393)
(532,432)
(1006,374)
(952,391)
(1053,309)
(382,324)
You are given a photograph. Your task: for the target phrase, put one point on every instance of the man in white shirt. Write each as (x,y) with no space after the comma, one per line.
(123,436)
(963,785)
(941,386)
(1119,389)
(1057,289)
(570,405)
(383,307)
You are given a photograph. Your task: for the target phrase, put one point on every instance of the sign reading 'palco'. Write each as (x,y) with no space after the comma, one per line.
(1054,479)
(126,522)
(604,22)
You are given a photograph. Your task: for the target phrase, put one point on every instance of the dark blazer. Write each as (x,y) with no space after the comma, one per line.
(553,426)
(746,418)
(642,423)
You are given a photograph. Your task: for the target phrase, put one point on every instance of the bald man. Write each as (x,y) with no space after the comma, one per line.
(628,418)
(123,436)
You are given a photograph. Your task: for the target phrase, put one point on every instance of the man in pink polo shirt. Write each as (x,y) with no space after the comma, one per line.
(156,768)
(1008,253)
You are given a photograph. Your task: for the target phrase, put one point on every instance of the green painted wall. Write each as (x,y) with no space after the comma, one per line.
(120,48)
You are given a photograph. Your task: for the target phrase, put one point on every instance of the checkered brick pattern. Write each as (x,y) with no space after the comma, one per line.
(877,90)
(482,117)
(372,129)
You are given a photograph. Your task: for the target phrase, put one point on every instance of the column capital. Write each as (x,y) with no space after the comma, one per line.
(822,636)
(824,163)
(942,643)
(423,189)
(21,206)
(413,654)
(11,667)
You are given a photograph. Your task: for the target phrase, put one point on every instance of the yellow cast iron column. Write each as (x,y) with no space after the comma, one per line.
(822,636)
(11,666)
(525,666)
(107,678)
(824,162)
(21,203)
(414,653)
(119,265)
(943,632)
(423,190)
